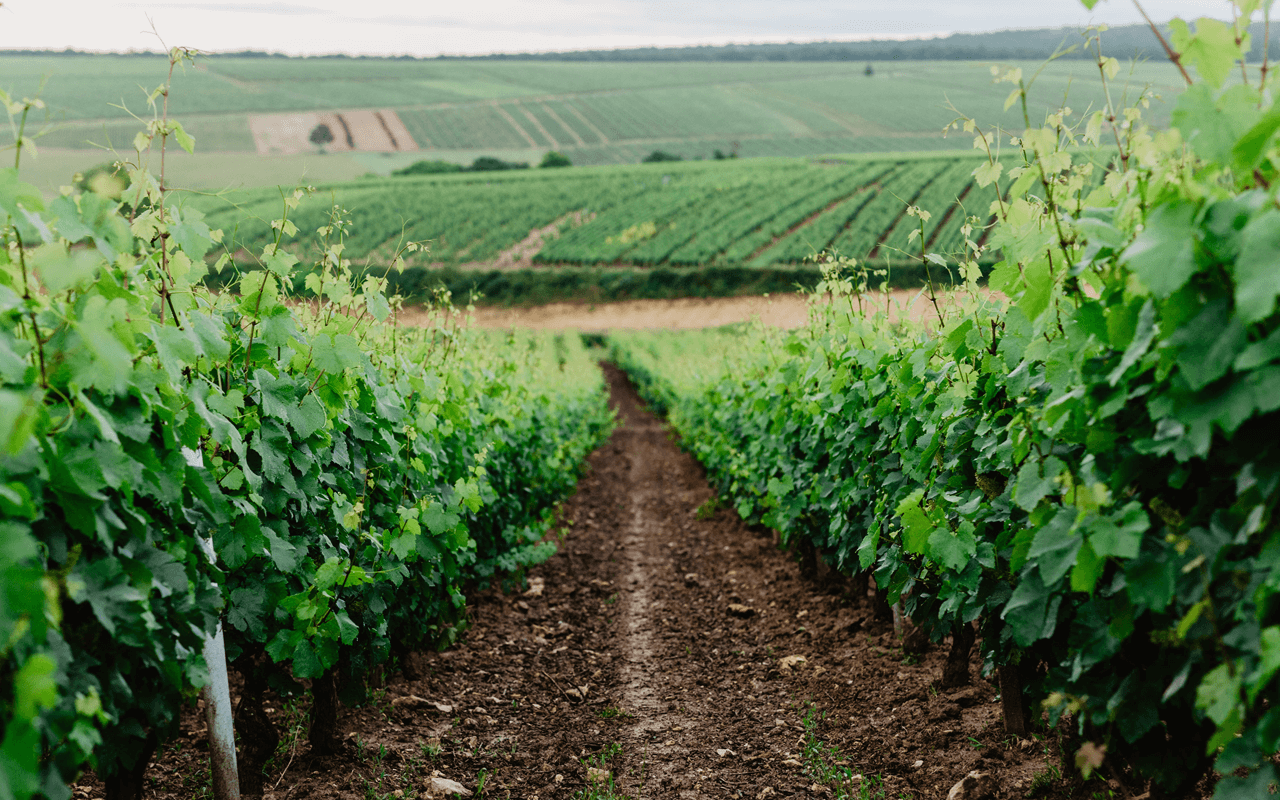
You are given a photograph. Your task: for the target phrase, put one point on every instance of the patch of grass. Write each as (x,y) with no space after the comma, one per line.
(606,788)
(293,721)
(430,751)
(376,759)
(708,509)
(610,712)
(824,764)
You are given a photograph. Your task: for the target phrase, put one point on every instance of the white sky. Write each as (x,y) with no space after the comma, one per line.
(431,27)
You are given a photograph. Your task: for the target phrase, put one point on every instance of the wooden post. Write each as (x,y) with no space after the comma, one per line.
(1017,719)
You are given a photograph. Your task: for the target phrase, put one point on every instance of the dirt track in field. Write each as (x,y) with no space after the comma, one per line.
(778,310)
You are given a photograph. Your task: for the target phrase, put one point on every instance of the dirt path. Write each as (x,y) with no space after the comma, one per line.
(777,310)
(667,651)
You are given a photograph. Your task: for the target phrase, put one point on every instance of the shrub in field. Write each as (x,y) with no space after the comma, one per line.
(1086,470)
(491,164)
(658,156)
(554,159)
(430,167)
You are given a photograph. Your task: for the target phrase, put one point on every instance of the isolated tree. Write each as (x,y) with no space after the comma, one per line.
(321,135)
(869,71)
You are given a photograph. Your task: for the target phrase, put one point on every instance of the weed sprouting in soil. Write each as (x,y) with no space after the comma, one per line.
(824,763)
(600,780)
(708,509)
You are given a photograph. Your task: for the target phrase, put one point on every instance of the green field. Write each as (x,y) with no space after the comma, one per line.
(596,113)
(760,212)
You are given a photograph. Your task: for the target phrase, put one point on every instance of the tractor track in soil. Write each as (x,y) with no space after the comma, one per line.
(625,654)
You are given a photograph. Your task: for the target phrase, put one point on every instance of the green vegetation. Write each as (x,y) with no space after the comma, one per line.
(319,478)
(554,159)
(593,113)
(430,167)
(726,214)
(1086,470)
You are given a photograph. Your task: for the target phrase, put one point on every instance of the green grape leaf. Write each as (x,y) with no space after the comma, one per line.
(1256,277)
(185,140)
(1249,787)
(283,644)
(1248,149)
(1055,546)
(1211,50)
(276,394)
(1118,535)
(308,416)
(1032,610)
(1143,335)
(347,630)
(190,232)
(306,661)
(1039,288)
(330,572)
(15,195)
(953,550)
(439,520)
(916,525)
(67,220)
(1088,569)
(336,353)
(1037,481)
(1219,693)
(1209,344)
(248,609)
(1151,581)
(1255,355)
(1163,254)
(35,687)
(60,270)
(1268,660)
(284,554)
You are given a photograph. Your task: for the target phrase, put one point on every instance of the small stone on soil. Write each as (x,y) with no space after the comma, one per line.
(739,610)
(787,663)
(974,786)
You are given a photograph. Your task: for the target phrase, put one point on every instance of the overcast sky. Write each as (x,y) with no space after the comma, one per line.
(431,27)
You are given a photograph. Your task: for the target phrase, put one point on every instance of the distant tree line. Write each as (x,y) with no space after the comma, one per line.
(1122,41)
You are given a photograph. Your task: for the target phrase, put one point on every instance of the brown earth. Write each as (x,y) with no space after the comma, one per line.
(670,647)
(778,310)
(363,130)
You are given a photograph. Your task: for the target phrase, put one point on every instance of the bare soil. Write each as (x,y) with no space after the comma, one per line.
(669,646)
(778,310)
(363,130)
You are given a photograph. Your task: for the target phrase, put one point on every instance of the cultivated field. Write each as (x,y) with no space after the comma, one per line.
(758,212)
(596,113)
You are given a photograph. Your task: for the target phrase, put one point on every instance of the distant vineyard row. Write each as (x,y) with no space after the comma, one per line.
(757,213)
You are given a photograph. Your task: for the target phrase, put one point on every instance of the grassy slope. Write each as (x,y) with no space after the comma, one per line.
(596,113)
